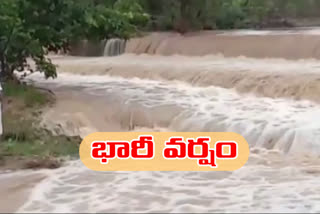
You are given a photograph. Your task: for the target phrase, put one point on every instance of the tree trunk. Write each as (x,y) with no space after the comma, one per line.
(182,23)
(1,91)
(3,68)
(5,73)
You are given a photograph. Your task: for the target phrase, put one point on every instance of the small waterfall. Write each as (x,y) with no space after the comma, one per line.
(114,47)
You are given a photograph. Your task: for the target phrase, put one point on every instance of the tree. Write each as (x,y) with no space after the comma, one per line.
(231,14)
(189,15)
(30,29)
(181,15)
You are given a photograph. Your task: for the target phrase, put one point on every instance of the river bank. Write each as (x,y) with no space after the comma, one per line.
(28,150)
(26,143)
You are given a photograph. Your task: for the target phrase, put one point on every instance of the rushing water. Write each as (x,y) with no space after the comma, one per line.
(114,47)
(132,93)
(298,43)
(273,103)
(288,126)
(295,44)
(274,78)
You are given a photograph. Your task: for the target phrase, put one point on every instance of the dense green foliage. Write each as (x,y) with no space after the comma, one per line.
(32,28)
(186,15)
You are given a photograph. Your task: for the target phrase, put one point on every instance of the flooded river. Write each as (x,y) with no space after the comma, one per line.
(273,103)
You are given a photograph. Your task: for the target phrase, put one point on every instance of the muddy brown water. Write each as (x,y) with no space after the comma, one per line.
(288,44)
(274,103)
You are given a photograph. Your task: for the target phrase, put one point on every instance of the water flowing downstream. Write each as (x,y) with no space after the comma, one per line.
(274,78)
(301,43)
(273,103)
(283,133)
(269,123)
(298,43)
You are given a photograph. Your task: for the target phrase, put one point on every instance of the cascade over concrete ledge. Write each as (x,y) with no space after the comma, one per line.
(287,44)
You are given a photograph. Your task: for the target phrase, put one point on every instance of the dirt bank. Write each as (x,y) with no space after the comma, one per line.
(25,144)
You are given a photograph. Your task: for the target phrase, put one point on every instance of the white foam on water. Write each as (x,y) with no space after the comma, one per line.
(257,187)
(287,125)
(274,78)
(281,175)
(82,65)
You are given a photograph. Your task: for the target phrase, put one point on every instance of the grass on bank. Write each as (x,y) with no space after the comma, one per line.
(23,139)
(30,96)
